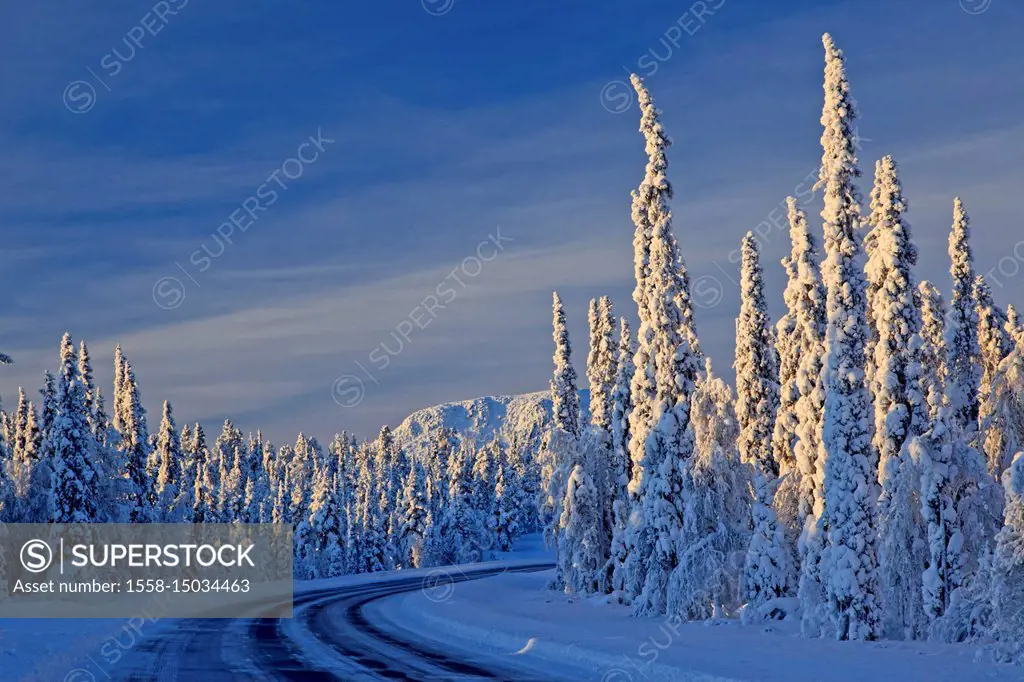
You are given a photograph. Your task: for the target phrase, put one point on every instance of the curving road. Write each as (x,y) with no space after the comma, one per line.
(329,638)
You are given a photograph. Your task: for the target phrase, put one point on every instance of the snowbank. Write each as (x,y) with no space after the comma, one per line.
(513,620)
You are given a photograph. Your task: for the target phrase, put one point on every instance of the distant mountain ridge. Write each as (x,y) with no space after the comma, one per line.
(517,418)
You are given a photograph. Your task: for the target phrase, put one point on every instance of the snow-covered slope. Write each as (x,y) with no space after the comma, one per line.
(518,418)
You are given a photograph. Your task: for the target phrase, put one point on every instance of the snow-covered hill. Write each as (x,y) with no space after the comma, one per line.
(518,418)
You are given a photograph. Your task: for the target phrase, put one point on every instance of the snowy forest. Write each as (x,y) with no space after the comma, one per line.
(356,507)
(863,477)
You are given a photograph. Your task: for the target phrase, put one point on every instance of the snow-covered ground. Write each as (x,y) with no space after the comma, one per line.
(513,618)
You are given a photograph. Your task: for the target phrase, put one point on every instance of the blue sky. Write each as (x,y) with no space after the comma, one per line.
(447,120)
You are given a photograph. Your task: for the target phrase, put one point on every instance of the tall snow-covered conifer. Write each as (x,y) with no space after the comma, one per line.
(637,537)
(787,345)
(668,446)
(619,471)
(565,398)
(602,365)
(963,356)
(901,411)
(850,563)
(72,448)
(171,496)
(413,511)
(327,551)
(48,394)
(767,569)
(801,495)
(134,449)
(561,445)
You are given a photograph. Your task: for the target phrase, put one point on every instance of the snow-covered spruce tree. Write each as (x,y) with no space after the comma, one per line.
(170,500)
(619,471)
(439,496)
(134,450)
(933,346)
(602,363)
(280,511)
(301,469)
(850,561)
(508,504)
(485,474)
(1007,594)
(716,530)
(48,394)
(189,472)
(231,498)
(375,556)
(393,469)
(187,441)
(93,399)
(628,577)
(441,452)
(413,511)
(39,501)
(579,528)
(117,419)
(565,398)
(228,450)
(963,356)
(76,482)
(767,570)
(257,485)
(996,344)
(204,495)
(30,474)
(18,468)
(326,555)
(800,499)
(669,447)
(354,545)
(303,559)
(319,457)
(783,443)
(661,436)
(274,463)
(580,551)
(562,441)
(349,500)
(901,412)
